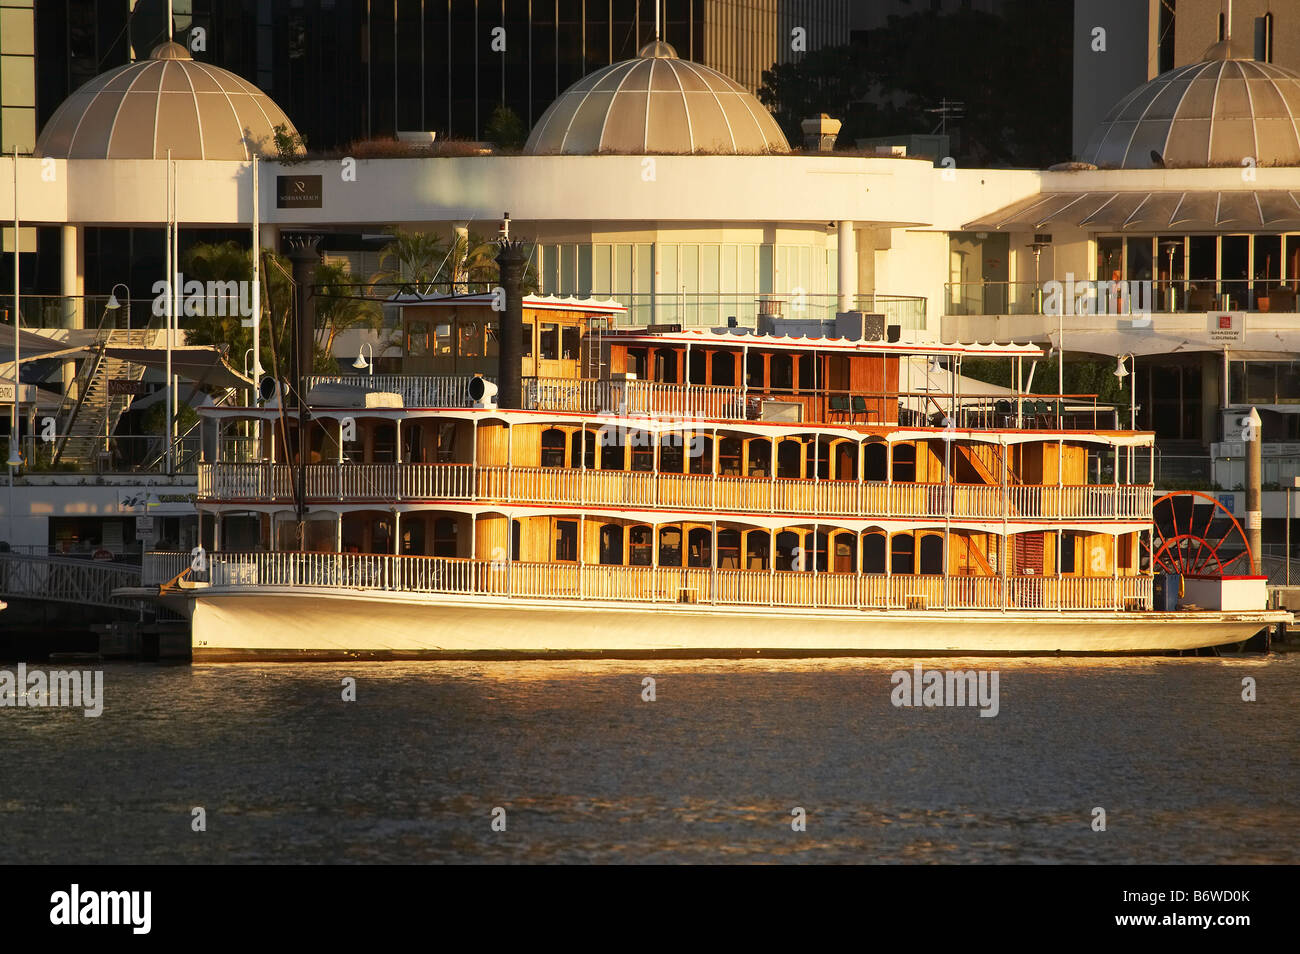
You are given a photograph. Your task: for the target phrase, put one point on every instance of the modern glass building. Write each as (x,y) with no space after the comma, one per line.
(355,69)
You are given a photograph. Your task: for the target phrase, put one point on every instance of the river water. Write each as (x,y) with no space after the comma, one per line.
(584,769)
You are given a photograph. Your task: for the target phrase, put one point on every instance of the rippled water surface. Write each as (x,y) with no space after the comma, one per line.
(587,771)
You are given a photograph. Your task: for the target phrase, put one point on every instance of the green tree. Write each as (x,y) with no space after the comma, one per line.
(505,128)
(414,258)
(340,305)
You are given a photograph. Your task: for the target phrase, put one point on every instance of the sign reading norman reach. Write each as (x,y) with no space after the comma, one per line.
(298,192)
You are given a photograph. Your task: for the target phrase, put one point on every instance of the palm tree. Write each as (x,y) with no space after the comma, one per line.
(410,258)
(339,308)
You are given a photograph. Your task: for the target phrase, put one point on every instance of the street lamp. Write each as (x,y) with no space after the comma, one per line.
(1121,372)
(361,364)
(114,304)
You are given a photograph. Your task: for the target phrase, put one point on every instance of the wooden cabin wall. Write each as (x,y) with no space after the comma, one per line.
(1074,463)
(493,447)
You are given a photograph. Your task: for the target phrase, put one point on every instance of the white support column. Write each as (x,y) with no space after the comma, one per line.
(72,287)
(847,258)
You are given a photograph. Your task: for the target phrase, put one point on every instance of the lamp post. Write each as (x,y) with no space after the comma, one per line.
(1295,482)
(1122,372)
(15,459)
(361,364)
(114,304)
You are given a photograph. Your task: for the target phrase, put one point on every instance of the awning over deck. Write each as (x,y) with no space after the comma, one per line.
(1145,212)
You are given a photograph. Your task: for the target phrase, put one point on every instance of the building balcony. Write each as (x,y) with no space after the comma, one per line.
(556,486)
(676,585)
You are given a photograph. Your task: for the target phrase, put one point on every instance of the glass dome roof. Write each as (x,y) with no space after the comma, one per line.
(656,103)
(168,101)
(1213,113)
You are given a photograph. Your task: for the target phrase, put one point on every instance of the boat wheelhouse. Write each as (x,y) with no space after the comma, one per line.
(802,487)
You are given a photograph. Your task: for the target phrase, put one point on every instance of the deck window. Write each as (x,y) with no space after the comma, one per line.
(471,339)
(670,546)
(728,549)
(571,337)
(514,539)
(566,541)
(643,450)
(611,545)
(612,450)
(699,547)
(846,460)
(757,546)
(789,552)
(636,363)
(789,458)
(782,372)
(723,369)
(905,463)
(672,456)
(553,442)
(442,343)
(444,537)
(701,454)
(417,339)
(729,449)
(755,370)
(900,555)
(760,457)
(932,554)
(697,367)
(640,546)
(527,339)
(550,343)
(1069,546)
(446,442)
(873,553)
(666,366)
(845,559)
(875,461)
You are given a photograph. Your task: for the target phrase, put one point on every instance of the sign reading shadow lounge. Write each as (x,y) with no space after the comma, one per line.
(298,192)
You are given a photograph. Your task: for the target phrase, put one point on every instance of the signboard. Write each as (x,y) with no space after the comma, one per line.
(1227,327)
(144,525)
(126,386)
(298,192)
(7,393)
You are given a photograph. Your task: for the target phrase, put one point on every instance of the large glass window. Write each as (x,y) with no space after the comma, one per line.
(550,342)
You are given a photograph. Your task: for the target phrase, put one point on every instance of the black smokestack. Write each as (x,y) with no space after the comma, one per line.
(304,257)
(511,258)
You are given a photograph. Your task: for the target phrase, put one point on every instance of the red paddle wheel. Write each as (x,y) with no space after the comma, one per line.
(1193,534)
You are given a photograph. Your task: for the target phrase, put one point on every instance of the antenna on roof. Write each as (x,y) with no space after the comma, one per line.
(656,21)
(171,24)
(1227,23)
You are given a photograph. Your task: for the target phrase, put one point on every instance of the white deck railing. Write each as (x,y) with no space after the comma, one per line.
(558,485)
(417,390)
(675,584)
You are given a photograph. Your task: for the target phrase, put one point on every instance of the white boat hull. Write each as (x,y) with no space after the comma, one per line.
(237,624)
